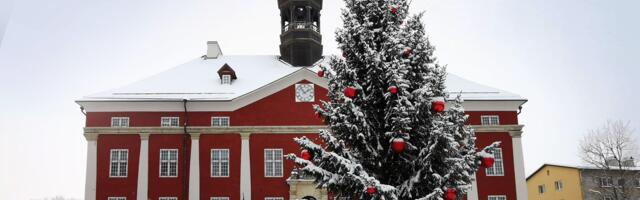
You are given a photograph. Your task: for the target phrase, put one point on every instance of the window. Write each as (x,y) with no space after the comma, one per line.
(118,164)
(117,198)
(304,93)
(119,122)
(273,198)
(273,162)
(219,198)
(622,182)
(489,120)
(558,185)
(637,182)
(168,198)
(168,163)
(170,121)
(497,169)
(226,79)
(220,121)
(605,181)
(497,197)
(541,189)
(219,162)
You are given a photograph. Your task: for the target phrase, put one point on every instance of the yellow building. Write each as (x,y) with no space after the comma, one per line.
(555,182)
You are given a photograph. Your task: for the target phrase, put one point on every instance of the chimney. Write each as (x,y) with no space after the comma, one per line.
(213,50)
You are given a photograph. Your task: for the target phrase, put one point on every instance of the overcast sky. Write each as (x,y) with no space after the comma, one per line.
(575,60)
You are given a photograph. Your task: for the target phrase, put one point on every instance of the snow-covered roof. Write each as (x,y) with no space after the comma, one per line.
(579,167)
(198,80)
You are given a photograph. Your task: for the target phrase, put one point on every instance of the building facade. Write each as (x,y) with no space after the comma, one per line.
(217,128)
(562,182)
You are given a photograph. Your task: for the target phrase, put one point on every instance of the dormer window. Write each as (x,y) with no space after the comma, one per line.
(227,75)
(226,79)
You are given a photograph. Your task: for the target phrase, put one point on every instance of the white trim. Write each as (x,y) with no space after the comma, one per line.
(226,79)
(91,173)
(194,168)
(170,122)
(275,162)
(473,192)
(490,120)
(219,198)
(168,198)
(518,165)
(220,161)
(274,198)
(119,161)
(221,118)
(143,169)
(245,168)
(169,162)
(116,198)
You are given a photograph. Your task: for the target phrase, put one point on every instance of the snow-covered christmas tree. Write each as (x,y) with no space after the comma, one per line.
(389,135)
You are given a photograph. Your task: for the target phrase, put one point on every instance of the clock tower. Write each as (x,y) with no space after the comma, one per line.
(300,38)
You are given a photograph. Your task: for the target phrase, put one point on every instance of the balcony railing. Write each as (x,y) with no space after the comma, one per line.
(301,26)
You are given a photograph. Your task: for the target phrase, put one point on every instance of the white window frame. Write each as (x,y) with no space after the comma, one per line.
(558,185)
(636,182)
(169,122)
(118,122)
(491,120)
(219,198)
(220,173)
(226,79)
(168,198)
(313,93)
(542,189)
(273,163)
(116,198)
(497,197)
(274,198)
(168,161)
(118,162)
(607,180)
(497,164)
(220,124)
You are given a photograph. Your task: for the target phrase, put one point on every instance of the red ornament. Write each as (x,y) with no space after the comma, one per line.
(393,90)
(350,92)
(305,155)
(437,105)
(450,194)
(398,145)
(344,54)
(321,73)
(394,10)
(318,115)
(487,162)
(371,190)
(407,52)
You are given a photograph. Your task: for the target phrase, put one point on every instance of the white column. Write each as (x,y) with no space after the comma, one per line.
(194,168)
(473,193)
(245,168)
(92,161)
(143,168)
(521,183)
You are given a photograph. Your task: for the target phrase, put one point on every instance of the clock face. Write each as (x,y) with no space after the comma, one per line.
(304,93)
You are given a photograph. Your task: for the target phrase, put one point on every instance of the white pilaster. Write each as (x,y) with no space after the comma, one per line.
(245,168)
(194,168)
(521,182)
(143,168)
(92,161)
(473,193)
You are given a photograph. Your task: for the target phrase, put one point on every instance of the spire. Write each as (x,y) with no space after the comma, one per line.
(300,39)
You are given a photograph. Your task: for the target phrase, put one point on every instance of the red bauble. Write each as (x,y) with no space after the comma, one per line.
(318,115)
(344,54)
(437,105)
(350,92)
(321,73)
(487,162)
(451,194)
(394,10)
(393,90)
(371,190)
(398,145)
(407,52)
(305,155)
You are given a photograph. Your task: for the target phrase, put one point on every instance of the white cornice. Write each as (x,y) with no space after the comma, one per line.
(205,130)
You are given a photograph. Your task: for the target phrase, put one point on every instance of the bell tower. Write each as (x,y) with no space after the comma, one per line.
(300,38)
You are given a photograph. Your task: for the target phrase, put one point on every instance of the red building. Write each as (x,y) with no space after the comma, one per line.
(216,127)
